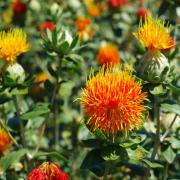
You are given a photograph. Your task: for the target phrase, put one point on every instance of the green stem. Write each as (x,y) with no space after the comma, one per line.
(12,138)
(22,131)
(157,136)
(169,128)
(53,105)
(106,171)
(21,123)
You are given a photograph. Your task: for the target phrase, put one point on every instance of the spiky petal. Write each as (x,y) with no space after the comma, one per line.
(154,35)
(113,100)
(47,171)
(12,44)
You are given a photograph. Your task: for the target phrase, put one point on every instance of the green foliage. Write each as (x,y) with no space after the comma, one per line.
(47,123)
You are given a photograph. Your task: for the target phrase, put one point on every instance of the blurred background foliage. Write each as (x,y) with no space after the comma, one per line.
(56,68)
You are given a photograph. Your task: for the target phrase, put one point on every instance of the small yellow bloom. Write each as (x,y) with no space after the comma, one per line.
(12,44)
(154,35)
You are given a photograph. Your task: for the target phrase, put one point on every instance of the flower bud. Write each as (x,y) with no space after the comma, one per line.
(154,67)
(16,72)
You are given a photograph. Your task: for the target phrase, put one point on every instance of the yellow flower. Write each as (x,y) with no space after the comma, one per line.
(154,35)
(12,44)
(113,101)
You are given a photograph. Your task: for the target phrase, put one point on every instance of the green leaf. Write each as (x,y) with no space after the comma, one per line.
(54,37)
(137,154)
(48,32)
(100,135)
(171,108)
(74,42)
(64,47)
(94,162)
(76,59)
(152,164)
(158,90)
(36,111)
(111,153)
(8,159)
(17,91)
(174,88)
(132,141)
(51,70)
(49,86)
(53,155)
(92,143)
(169,155)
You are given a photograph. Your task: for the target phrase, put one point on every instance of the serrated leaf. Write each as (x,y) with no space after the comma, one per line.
(8,159)
(53,155)
(171,108)
(36,111)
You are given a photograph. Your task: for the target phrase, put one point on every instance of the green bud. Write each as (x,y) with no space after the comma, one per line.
(154,67)
(16,72)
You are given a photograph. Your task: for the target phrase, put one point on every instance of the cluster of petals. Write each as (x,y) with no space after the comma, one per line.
(47,171)
(113,101)
(154,35)
(12,44)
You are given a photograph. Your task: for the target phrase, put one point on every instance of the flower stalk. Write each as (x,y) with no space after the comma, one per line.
(157,135)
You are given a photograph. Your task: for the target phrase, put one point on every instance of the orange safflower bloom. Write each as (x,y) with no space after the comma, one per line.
(153,34)
(82,23)
(94,10)
(108,55)
(113,101)
(47,171)
(47,25)
(40,78)
(5,140)
(84,29)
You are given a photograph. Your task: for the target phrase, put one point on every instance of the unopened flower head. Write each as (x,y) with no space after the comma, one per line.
(154,35)
(12,44)
(47,171)
(113,100)
(5,140)
(108,55)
